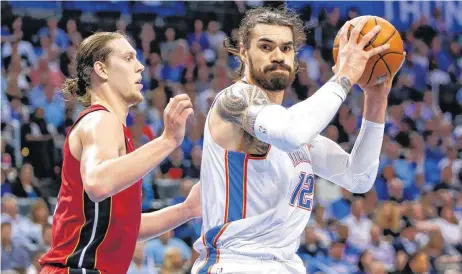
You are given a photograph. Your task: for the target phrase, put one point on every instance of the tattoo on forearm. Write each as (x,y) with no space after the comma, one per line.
(241,104)
(344,82)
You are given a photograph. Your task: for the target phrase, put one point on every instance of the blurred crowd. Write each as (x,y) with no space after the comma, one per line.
(410,222)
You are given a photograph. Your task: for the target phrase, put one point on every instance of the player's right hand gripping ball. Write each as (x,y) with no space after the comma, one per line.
(384,65)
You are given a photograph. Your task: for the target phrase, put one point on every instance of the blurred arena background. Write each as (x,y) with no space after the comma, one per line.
(410,222)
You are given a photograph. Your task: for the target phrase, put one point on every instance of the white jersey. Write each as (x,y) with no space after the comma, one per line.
(253,206)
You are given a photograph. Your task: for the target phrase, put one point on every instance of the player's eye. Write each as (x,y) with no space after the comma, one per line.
(265,47)
(129,58)
(286,48)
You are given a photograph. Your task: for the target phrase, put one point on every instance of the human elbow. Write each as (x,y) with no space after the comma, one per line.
(96,190)
(277,126)
(362,183)
(361,186)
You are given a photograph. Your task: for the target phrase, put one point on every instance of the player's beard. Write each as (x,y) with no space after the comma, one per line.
(271,80)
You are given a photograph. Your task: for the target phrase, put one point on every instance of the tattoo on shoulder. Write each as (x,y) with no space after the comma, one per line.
(344,82)
(240,104)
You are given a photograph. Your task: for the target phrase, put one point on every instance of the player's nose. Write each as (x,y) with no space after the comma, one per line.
(140,67)
(277,55)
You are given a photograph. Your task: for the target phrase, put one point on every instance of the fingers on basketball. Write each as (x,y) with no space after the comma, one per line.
(383,63)
(357,30)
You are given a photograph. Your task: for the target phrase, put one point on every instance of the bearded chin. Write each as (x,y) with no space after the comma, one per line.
(271,81)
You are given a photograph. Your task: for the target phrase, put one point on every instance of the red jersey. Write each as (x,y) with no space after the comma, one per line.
(91,237)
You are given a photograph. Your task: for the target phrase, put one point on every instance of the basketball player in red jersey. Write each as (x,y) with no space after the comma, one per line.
(98,219)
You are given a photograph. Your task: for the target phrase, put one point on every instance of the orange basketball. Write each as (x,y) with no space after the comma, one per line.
(383,65)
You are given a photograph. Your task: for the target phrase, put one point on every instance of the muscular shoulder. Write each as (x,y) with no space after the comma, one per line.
(99,124)
(240,103)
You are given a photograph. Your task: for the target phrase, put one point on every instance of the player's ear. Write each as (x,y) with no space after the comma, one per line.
(100,69)
(243,52)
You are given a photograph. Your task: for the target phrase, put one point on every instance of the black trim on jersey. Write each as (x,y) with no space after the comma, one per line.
(102,225)
(74,270)
(104,217)
(80,271)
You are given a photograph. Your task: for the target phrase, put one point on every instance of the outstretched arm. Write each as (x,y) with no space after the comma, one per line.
(106,173)
(159,222)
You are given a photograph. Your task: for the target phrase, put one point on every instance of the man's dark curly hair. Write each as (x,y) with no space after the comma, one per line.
(280,16)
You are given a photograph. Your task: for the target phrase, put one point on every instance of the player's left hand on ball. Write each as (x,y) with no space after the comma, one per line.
(381,89)
(193,202)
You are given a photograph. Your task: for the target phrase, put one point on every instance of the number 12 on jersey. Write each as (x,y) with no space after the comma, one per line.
(303,192)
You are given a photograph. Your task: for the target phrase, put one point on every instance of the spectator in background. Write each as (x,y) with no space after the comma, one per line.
(407,241)
(65,60)
(158,104)
(167,47)
(56,35)
(364,262)
(37,145)
(39,214)
(25,186)
(320,226)
(35,267)
(19,224)
(24,48)
(139,127)
(42,76)
(334,262)
(147,38)
(72,32)
(358,224)
(418,263)
(152,72)
(14,256)
(381,250)
(173,69)
(46,240)
(198,36)
(192,139)
(449,226)
(17,75)
(194,169)
(173,262)
(377,267)
(453,162)
(173,167)
(6,185)
(312,246)
(442,257)
(53,105)
(183,231)
(341,207)
(203,79)
(121,25)
(138,264)
(214,35)
(388,219)
(156,248)
(19,111)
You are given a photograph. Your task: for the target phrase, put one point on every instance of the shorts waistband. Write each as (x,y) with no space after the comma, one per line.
(227,254)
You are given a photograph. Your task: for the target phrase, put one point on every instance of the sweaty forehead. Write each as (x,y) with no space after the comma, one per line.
(278,34)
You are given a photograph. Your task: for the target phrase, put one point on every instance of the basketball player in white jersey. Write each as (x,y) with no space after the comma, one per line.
(259,158)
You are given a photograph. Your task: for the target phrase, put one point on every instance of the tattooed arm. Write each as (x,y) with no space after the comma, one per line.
(240,104)
(287,129)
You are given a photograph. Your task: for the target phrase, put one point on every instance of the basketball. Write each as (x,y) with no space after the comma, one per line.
(383,65)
